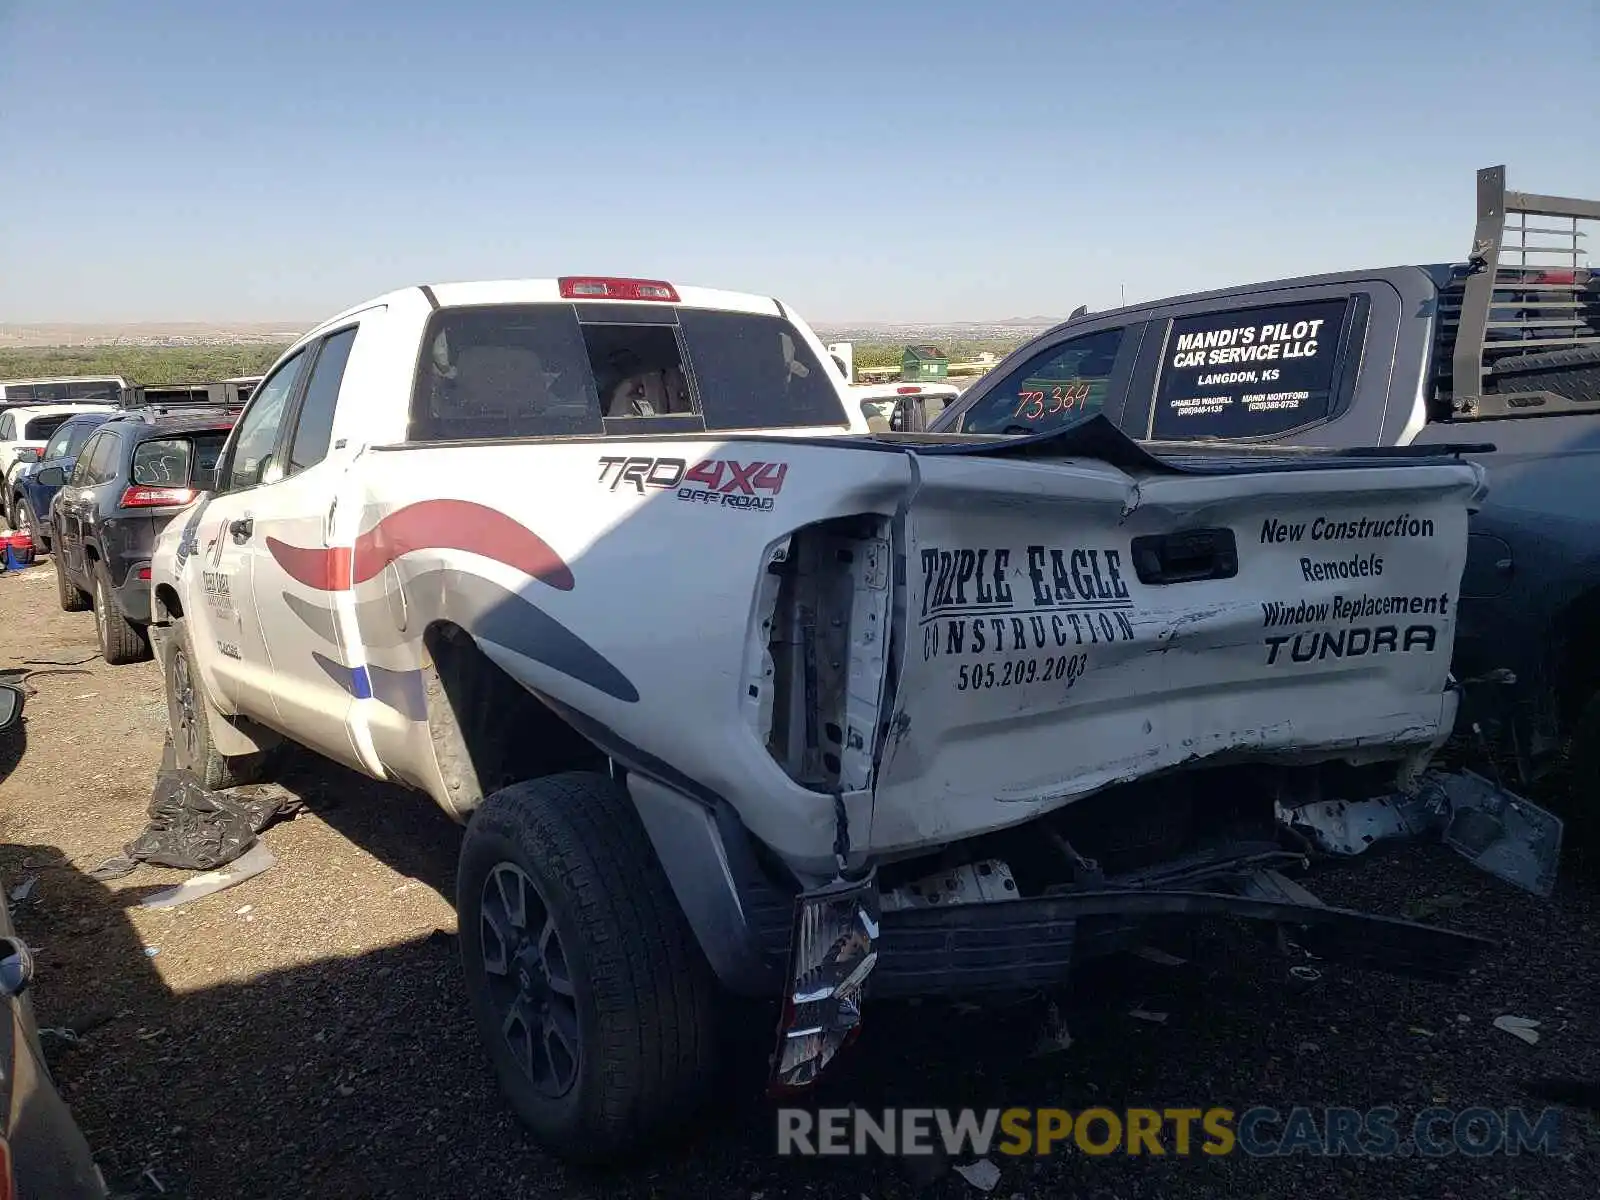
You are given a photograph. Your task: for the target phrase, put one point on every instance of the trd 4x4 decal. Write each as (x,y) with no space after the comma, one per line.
(722,482)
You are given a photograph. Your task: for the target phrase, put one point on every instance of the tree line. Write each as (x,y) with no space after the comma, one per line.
(149,365)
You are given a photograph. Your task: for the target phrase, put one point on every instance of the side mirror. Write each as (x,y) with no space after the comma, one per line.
(51,476)
(10,705)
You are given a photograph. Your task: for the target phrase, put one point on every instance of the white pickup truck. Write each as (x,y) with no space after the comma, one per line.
(736,697)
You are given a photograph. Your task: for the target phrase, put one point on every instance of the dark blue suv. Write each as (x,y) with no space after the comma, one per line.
(137,470)
(30,498)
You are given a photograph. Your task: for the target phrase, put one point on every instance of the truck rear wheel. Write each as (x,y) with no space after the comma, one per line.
(591,995)
(189,718)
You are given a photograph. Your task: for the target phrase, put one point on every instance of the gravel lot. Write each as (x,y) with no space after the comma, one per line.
(305,1034)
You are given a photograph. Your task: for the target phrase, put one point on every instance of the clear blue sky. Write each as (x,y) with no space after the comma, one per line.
(901,160)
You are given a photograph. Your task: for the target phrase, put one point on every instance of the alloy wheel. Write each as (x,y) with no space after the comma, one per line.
(530,985)
(183,699)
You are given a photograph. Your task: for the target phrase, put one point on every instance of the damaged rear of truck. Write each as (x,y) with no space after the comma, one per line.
(1054,701)
(928,716)
(798,713)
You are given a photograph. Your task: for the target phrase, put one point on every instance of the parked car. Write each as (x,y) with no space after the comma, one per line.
(132,475)
(878,400)
(42,1150)
(725,688)
(24,430)
(30,499)
(1501,350)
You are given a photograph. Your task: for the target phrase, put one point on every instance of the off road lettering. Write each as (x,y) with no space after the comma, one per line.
(1323,644)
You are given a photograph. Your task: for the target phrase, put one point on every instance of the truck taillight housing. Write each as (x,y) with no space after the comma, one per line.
(156,497)
(598,287)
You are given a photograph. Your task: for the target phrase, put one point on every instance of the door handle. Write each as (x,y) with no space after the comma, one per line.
(1186,557)
(241,529)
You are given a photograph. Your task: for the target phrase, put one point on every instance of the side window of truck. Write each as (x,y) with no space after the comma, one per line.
(255,438)
(1053,387)
(314,423)
(1250,373)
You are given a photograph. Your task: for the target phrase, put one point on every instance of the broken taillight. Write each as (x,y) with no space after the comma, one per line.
(833,948)
(599,287)
(156,497)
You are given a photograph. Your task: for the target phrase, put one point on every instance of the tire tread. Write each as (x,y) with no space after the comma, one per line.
(653,991)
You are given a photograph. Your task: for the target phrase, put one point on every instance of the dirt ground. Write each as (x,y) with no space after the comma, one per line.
(304,1034)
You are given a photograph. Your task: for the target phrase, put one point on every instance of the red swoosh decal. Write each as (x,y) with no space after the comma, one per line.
(426,525)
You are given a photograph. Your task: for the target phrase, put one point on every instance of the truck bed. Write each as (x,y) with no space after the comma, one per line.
(1064,613)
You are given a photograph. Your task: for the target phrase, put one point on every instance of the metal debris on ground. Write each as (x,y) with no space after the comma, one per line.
(23,890)
(247,866)
(983,1174)
(1055,1037)
(1495,829)
(1521,1027)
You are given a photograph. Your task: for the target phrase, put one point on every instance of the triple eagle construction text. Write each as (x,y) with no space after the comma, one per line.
(1073,598)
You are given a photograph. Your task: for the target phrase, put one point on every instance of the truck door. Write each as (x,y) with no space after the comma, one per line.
(217,605)
(301,582)
(1307,365)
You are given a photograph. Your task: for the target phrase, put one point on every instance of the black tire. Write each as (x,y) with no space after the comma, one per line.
(642,995)
(121,641)
(189,723)
(72,597)
(28,522)
(1573,373)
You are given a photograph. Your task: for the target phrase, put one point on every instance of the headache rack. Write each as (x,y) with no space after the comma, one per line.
(1518,330)
(229,395)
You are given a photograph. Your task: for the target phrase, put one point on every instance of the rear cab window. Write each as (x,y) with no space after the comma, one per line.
(554,370)
(1249,373)
(170,461)
(40,428)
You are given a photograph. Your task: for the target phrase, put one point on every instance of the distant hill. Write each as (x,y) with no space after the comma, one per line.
(19,335)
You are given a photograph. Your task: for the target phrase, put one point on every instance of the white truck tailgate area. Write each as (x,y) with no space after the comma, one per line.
(1039,667)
